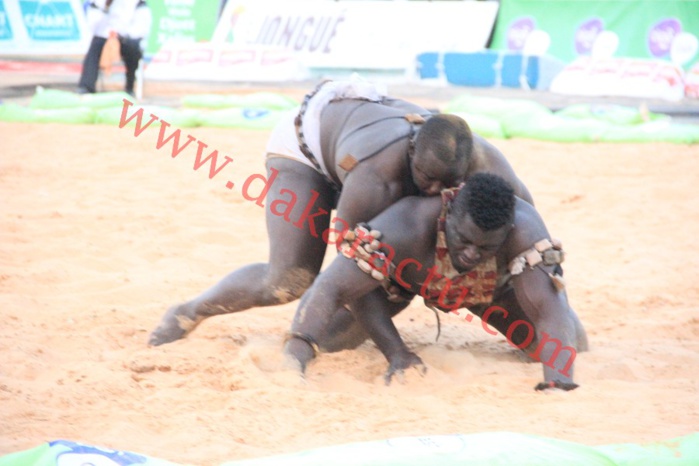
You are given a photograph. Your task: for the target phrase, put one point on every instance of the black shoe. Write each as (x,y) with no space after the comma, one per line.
(84,90)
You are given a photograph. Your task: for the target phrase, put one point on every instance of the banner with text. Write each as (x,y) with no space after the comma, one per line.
(358,34)
(42,27)
(182,21)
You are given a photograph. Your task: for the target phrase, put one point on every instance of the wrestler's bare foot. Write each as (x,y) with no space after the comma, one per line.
(175,324)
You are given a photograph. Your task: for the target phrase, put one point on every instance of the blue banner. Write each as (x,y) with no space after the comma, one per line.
(49,20)
(5,28)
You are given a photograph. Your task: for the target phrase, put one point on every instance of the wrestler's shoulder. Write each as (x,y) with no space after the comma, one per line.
(412,212)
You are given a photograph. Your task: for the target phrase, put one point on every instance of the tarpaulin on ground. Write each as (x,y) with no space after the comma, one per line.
(479,449)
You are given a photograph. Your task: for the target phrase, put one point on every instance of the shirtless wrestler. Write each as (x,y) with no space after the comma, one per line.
(477,247)
(349,148)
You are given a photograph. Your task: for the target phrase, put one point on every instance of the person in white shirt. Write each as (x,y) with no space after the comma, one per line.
(127,20)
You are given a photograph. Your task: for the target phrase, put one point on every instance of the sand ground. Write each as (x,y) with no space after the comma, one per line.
(100,232)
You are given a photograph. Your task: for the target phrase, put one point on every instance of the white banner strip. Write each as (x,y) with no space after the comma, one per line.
(357,34)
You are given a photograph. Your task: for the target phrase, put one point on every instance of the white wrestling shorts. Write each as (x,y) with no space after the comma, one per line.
(283,141)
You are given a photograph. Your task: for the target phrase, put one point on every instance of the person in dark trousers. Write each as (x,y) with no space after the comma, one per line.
(127,20)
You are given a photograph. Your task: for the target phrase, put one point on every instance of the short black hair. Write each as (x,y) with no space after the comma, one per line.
(448,137)
(488,199)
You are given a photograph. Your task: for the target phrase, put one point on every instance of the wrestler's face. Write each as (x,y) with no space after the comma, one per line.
(432,175)
(468,245)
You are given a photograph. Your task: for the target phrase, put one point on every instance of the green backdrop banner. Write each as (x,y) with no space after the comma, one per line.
(182,20)
(663,29)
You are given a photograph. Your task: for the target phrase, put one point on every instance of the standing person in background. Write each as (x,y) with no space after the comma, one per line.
(129,21)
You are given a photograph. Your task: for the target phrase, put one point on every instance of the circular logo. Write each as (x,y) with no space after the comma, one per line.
(684,47)
(586,34)
(661,35)
(518,31)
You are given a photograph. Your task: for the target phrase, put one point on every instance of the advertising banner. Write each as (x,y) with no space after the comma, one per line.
(42,27)
(224,63)
(5,26)
(182,21)
(646,29)
(358,34)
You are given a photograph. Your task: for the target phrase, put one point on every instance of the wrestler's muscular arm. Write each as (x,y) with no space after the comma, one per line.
(373,185)
(555,328)
(354,129)
(338,285)
(343,282)
(553,318)
(488,158)
(409,237)
(368,189)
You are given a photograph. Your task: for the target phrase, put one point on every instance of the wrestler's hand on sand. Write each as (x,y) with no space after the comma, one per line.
(297,354)
(402,361)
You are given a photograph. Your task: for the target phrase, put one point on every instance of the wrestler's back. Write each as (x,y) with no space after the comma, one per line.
(362,129)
